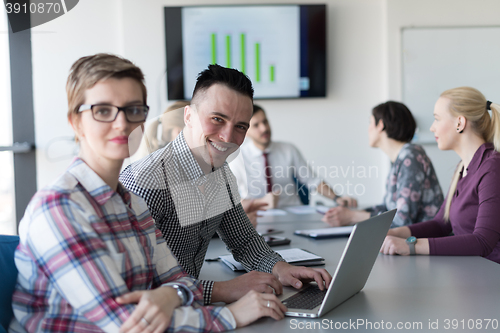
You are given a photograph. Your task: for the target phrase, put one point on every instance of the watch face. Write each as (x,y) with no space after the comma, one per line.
(411,240)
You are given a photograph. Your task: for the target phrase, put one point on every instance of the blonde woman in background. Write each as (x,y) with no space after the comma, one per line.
(171,123)
(462,123)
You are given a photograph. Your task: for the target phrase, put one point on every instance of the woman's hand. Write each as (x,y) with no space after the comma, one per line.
(154,309)
(401,232)
(255,305)
(346,201)
(395,245)
(338,216)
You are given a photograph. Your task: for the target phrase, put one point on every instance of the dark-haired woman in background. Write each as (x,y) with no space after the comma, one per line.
(412,186)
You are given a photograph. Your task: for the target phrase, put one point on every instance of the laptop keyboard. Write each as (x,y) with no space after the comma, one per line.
(308,298)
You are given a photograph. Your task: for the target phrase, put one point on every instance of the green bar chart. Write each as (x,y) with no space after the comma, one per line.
(257,62)
(263,43)
(214,48)
(242,53)
(228,52)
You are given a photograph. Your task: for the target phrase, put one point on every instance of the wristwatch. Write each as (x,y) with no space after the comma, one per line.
(411,241)
(181,293)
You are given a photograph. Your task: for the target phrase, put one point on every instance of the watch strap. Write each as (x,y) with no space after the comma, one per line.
(412,248)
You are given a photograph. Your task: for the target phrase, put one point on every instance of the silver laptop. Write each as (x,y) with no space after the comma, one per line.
(352,272)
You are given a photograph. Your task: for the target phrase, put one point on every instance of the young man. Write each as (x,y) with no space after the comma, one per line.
(276,167)
(192,193)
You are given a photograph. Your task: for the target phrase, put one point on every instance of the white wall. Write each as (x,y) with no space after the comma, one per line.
(363,70)
(92,26)
(433,13)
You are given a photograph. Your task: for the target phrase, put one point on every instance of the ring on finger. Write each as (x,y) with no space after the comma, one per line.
(144,321)
(268,304)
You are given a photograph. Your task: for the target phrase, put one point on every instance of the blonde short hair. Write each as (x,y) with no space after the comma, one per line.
(87,71)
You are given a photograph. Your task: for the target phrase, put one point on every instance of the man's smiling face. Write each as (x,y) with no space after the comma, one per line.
(217,123)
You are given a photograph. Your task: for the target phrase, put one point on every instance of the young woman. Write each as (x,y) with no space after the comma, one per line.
(90,257)
(463,123)
(412,185)
(171,122)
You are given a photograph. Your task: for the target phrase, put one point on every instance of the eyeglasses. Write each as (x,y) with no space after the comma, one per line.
(107,113)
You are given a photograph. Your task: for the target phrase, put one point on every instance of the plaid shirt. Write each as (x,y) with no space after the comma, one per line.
(81,246)
(189,207)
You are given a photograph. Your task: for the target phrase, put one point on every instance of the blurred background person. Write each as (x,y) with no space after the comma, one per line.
(277,167)
(162,129)
(412,185)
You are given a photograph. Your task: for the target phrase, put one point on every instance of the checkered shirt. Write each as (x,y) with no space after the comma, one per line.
(189,207)
(81,246)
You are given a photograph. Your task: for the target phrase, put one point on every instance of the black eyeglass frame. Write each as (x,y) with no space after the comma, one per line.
(85,107)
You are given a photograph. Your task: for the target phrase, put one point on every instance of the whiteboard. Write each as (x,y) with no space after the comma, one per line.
(437,58)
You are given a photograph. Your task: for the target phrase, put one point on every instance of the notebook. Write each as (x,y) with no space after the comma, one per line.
(352,271)
(294,256)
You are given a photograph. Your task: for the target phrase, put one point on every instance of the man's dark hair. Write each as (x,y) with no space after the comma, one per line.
(399,123)
(229,77)
(257,108)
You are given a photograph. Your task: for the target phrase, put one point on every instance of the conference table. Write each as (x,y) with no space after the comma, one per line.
(403,293)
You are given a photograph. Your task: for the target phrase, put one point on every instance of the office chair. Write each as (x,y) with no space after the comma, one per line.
(8,278)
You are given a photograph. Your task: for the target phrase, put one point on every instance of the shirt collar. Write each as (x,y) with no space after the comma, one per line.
(255,152)
(188,163)
(93,184)
(477,159)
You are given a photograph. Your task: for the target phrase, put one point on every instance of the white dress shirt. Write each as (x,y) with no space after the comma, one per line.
(285,163)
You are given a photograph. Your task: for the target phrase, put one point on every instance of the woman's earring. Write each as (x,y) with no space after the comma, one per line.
(458,129)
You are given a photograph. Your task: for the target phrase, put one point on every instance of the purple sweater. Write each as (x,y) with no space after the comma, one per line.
(474,212)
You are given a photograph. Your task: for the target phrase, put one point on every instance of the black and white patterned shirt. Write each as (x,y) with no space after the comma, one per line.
(189,207)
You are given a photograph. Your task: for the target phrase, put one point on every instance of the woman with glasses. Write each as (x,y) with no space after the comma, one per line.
(467,222)
(90,257)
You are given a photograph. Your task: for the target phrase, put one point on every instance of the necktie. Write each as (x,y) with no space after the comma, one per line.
(268,174)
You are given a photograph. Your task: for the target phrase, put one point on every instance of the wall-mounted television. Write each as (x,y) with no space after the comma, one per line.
(281,48)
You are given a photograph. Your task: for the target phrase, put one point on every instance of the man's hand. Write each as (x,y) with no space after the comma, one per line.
(294,276)
(232,290)
(271,199)
(253,218)
(155,306)
(251,206)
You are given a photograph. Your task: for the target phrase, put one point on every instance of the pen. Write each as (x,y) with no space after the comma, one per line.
(212,259)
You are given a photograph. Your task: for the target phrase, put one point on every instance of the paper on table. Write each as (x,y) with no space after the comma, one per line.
(326,232)
(297,255)
(271,212)
(302,210)
(292,256)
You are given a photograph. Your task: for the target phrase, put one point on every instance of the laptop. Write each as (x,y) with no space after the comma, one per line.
(352,272)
